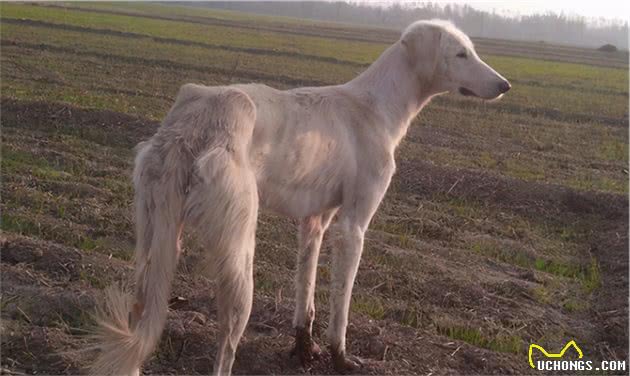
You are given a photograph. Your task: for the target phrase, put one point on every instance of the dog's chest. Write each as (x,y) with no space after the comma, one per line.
(298,185)
(300,174)
(297,203)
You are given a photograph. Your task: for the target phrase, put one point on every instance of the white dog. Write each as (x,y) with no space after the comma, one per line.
(307,153)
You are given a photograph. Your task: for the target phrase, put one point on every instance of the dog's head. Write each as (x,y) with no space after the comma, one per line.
(444,57)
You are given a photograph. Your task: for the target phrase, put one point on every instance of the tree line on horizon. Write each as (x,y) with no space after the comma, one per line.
(548,27)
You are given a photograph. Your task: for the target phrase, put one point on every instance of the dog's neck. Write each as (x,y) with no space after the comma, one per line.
(392,88)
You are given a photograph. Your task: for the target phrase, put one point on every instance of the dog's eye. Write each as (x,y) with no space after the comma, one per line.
(462,54)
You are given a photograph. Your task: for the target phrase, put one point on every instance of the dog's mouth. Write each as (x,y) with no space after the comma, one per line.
(466,92)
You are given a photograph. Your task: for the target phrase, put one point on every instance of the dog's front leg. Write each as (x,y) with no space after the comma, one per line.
(345,263)
(311,233)
(360,203)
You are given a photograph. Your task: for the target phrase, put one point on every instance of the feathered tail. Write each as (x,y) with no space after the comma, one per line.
(130,327)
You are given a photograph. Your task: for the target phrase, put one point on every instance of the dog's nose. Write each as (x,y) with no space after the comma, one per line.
(504,86)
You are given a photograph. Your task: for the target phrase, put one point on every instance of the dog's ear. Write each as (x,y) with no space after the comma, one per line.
(423,49)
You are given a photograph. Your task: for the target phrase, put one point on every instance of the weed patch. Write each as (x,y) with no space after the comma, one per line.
(370,306)
(502,343)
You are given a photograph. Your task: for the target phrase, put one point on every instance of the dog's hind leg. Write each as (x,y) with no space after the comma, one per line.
(311,233)
(235,287)
(222,209)
(224,217)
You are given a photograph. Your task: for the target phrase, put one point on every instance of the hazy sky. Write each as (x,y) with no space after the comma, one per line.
(593,8)
(609,9)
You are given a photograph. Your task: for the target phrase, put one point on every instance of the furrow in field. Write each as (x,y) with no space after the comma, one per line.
(125,34)
(538,111)
(316,32)
(594,90)
(162,63)
(97,88)
(553,52)
(551,56)
(526,197)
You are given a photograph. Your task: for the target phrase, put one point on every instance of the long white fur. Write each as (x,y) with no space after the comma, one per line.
(307,153)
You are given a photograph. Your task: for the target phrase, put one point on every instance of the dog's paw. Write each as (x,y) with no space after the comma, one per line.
(345,364)
(305,348)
